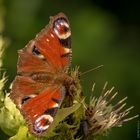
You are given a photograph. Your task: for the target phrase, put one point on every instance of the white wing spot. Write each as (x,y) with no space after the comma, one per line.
(35,115)
(55,105)
(52,35)
(67,50)
(47,40)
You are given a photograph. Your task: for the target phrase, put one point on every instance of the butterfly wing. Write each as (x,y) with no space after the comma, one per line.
(41,109)
(35,91)
(37,102)
(51,49)
(54,42)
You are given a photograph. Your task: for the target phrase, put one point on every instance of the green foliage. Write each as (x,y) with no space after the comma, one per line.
(10,117)
(102,33)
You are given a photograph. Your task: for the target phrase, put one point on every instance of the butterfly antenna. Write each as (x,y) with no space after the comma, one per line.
(91,70)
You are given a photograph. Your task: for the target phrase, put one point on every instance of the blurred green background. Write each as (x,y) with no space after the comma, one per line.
(104,32)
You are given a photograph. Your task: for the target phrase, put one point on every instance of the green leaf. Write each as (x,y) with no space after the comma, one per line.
(61,115)
(23,134)
(10,117)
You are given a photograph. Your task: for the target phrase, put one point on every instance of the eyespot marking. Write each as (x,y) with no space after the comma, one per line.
(68,53)
(56,100)
(37,53)
(26,98)
(61,28)
(52,111)
(66,43)
(42,123)
(65,55)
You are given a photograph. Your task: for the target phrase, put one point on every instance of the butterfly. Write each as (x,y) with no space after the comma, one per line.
(42,74)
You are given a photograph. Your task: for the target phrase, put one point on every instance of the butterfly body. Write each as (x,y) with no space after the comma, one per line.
(42,75)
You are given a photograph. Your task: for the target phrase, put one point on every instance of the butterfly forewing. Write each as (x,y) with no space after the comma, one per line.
(54,42)
(29,62)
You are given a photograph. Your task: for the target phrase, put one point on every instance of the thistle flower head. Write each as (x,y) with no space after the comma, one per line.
(102,114)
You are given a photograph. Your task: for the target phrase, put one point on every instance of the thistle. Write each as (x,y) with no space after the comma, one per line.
(102,113)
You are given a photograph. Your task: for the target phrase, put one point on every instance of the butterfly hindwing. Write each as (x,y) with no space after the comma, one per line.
(35,101)
(24,87)
(41,109)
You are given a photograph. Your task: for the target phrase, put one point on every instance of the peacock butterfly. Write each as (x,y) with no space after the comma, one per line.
(42,74)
